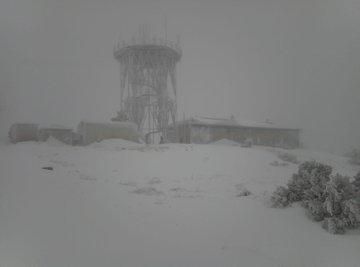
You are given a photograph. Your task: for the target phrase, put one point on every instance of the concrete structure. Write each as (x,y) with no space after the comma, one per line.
(20,132)
(65,135)
(202,130)
(90,132)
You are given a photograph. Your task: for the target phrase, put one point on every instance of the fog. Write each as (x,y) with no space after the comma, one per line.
(294,62)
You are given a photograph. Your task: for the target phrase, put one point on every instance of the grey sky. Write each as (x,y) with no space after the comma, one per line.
(294,62)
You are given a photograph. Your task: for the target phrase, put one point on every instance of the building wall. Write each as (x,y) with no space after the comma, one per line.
(182,134)
(20,132)
(63,135)
(260,136)
(91,132)
(200,134)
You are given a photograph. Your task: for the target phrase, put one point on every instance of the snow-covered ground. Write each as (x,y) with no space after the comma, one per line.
(118,203)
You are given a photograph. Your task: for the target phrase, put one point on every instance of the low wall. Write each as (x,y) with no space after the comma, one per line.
(91,132)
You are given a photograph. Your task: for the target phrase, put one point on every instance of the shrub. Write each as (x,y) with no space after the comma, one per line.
(280,198)
(354,156)
(242,191)
(356,182)
(337,190)
(310,181)
(351,213)
(333,226)
(315,210)
(332,199)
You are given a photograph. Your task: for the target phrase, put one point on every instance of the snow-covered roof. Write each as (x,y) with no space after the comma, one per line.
(232,122)
(53,126)
(213,121)
(108,122)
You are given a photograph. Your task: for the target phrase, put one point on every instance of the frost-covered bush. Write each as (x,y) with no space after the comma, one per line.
(315,172)
(298,185)
(332,199)
(287,157)
(351,212)
(315,210)
(242,191)
(354,156)
(333,225)
(309,182)
(280,197)
(306,185)
(356,182)
(338,190)
(342,206)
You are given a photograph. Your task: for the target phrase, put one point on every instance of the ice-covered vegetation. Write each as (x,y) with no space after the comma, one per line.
(354,156)
(332,199)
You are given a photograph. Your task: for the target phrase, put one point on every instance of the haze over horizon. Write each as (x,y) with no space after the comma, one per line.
(296,63)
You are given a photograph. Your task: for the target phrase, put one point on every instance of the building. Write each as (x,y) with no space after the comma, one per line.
(58,132)
(21,132)
(203,130)
(90,132)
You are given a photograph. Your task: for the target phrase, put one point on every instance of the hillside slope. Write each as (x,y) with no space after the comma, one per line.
(118,203)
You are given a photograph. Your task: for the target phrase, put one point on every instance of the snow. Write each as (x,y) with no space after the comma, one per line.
(52,141)
(114,144)
(225,142)
(118,203)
